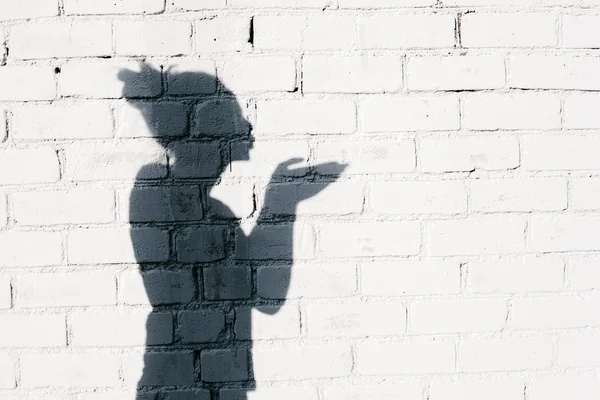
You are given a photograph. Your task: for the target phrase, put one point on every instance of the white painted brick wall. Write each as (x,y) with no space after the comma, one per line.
(151,249)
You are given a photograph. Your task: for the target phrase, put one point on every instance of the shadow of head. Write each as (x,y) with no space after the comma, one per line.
(179,104)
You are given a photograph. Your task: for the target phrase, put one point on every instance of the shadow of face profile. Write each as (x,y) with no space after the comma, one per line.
(186,105)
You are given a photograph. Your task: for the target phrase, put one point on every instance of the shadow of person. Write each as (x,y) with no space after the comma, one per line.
(199,343)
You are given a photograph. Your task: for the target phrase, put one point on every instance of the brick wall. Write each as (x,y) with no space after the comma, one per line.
(299,199)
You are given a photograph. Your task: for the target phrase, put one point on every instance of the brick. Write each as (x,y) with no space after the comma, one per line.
(584,273)
(66,289)
(305,116)
(406,31)
(410,278)
(259,74)
(24,331)
(69,370)
(554,313)
(120,328)
(405,391)
(222,34)
(547,152)
(231,283)
(5,292)
(194,160)
(318,34)
(25,9)
(195,5)
(469,154)
(337,280)
(477,235)
(95,7)
(369,239)
(61,39)
(231,200)
(290,363)
(579,111)
(3,210)
(190,394)
(117,245)
(521,275)
(35,165)
(111,395)
(30,249)
(152,37)
(399,113)
(220,118)
(266,155)
(270,393)
(279,32)
(536,194)
(163,204)
(580,31)
(227,284)
(559,72)
(191,77)
(75,206)
(3,115)
(506,389)
(456,316)
(455,72)
(310,33)
(375,358)
(62,120)
(313,199)
(128,161)
(8,372)
(500,111)
(267,323)
(418,197)
(282,241)
(356,320)
(203,244)
(505,354)
(164,368)
(321,4)
(490,2)
(564,233)
(144,119)
(583,387)
(25,83)
(224,365)
(578,351)
(367,156)
(156,287)
(201,326)
(111,79)
(353,74)
(523,29)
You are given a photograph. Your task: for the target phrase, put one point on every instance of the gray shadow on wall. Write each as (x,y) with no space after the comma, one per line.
(199,344)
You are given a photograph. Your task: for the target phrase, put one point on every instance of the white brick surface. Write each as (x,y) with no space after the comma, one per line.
(506,354)
(406,31)
(315,199)
(61,39)
(386,114)
(499,111)
(455,73)
(62,121)
(66,289)
(20,83)
(480,29)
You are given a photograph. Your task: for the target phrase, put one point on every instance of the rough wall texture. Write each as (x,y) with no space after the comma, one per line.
(299,199)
